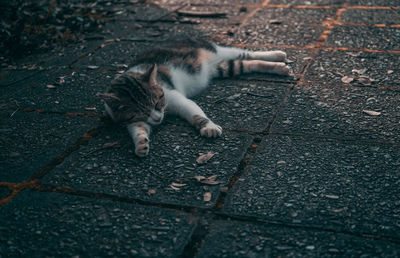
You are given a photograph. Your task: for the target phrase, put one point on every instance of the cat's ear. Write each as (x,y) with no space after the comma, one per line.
(151,75)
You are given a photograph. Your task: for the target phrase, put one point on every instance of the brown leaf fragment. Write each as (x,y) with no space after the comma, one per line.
(208,180)
(207,196)
(109,144)
(347,79)
(340,210)
(331,196)
(365,80)
(359,71)
(390,71)
(175,188)
(204,157)
(151,191)
(177,184)
(199,178)
(275,21)
(372,113)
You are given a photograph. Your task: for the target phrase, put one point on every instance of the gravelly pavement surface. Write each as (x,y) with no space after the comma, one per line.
(303,167)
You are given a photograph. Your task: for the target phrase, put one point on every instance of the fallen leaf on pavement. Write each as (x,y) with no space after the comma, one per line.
(92,67)
(371,113)
(151,191)
(389,71)
(207,196)
(204,157)
(109,144)
(208,180)
(347,79)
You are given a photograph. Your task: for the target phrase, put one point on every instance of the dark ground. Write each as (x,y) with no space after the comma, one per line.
(304,168)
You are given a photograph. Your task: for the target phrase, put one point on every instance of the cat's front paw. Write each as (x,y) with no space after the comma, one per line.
(281,69)
(142,146)
(211,130)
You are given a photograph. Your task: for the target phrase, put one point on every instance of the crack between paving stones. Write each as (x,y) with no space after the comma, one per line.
(43,171)
(256,220)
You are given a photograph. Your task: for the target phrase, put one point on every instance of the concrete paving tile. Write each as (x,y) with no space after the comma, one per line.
(31,140)
(242,104)
(331,66)
(178,3)
(308,2)
(338,112)
(240,239)
(71,91)
(172,159)
(322,183)
(387,17)
(364,37)
(51,224)
(4,192)
(299,27)
(374,2)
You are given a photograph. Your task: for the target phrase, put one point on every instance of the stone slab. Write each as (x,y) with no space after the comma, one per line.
(242,104)
(172,159)
(4,192)
(387,17)
(51,224)
(31,140)
(333,3)
(244,239)
(293,28)
(374,2)
(331,66)
(361,37)
(322,183)
(339,112)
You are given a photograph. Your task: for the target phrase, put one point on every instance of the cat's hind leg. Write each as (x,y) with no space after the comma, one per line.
(140,133)
(232,53)
(238,67)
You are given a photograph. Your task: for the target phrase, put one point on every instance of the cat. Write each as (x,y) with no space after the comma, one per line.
(166,77)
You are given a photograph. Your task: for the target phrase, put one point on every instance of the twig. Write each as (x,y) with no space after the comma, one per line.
(202,14)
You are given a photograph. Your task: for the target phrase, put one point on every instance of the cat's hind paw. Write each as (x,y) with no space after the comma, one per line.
(142,146)
(211,130)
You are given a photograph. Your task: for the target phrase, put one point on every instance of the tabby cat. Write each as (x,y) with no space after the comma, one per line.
(164,78)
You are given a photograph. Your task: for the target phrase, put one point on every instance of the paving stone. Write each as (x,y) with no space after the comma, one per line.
(240,239)
(50,224)
(31,140)
(242,104)
(387,17)
(71,91)
(178,3)
(322,183)
(364,37)
(331,66)
(374,2)
(4,192)
(293,28)
(338,112)
(308,2)
(172,159)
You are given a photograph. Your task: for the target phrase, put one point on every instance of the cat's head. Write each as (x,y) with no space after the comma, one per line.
(135,97)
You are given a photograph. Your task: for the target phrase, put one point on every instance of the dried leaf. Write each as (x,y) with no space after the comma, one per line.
(347,79)
(177,184)
(207,196)
(92,67)
(332,196)
(361,71)
(204,157)
(371,113)
(210,182)
(275,21)
(199,178)
(49,86)
(90,108)
(175,188)
(109,144)
(390,71)
(365,80)
(151,191)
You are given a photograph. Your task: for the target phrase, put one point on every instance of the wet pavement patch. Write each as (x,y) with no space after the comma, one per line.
(342,112)
(242,104)
(166,175)
(31,140)
(361,68)
(240,239)
(322,184)
(50,224)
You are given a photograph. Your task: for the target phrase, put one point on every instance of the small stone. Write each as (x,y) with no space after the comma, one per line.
(310,247)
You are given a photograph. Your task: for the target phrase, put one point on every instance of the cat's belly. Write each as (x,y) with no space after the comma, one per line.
(188,84)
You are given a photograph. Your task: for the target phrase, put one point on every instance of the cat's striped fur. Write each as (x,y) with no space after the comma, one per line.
(165,78)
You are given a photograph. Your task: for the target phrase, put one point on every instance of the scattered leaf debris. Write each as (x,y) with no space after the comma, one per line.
(151,191)
(204,157)
(176,186)
(347,79)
